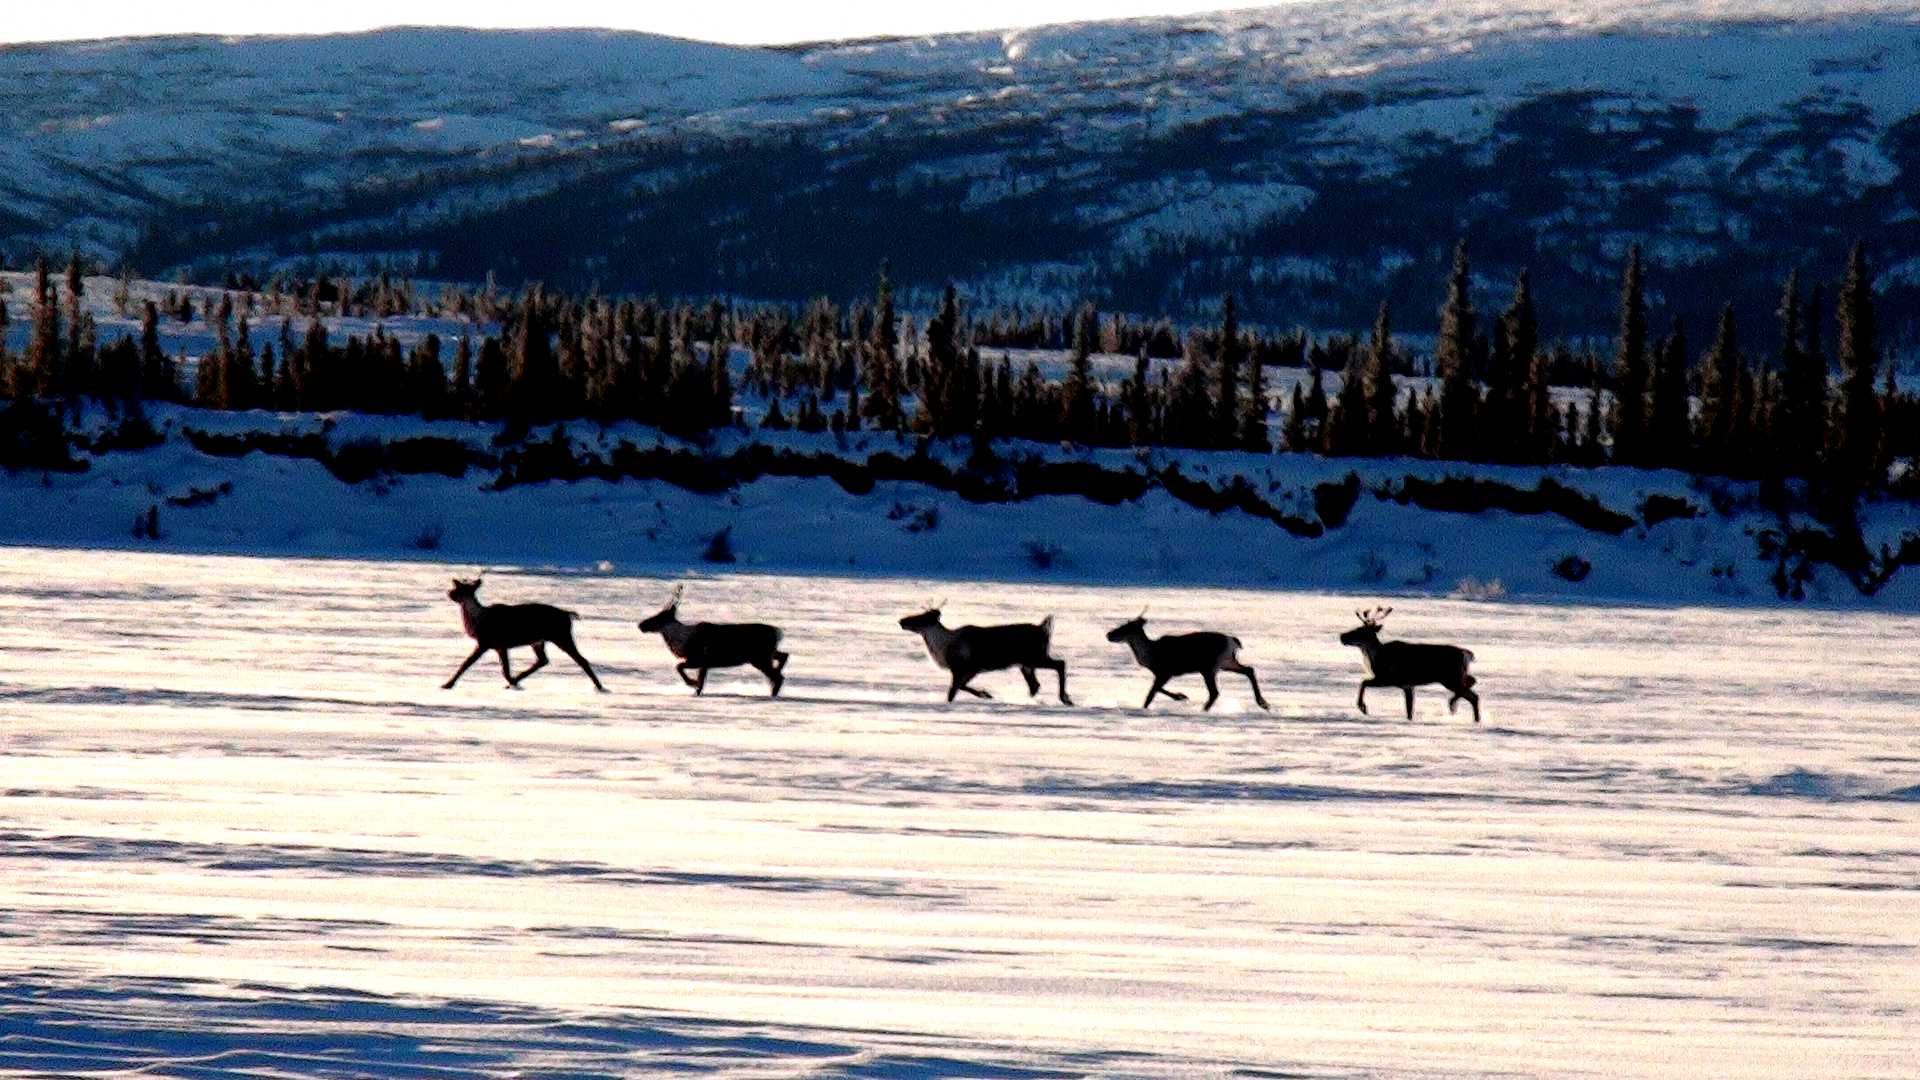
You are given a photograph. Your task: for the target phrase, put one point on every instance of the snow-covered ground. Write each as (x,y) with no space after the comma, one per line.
(246,834)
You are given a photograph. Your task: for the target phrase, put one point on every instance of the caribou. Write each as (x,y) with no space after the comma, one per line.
(499,627)
(1205,654)
(1407,665)
(704,646)
(970,650)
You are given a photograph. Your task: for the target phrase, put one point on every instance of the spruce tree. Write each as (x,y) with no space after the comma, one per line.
(1190,410)
(427,380)
(1253,415)
(1630,366)
(1508,424)
(883,361)
(1295,435)
(1347,428)
(1383,427)
(1226,422)
(1453,362)
(1800,414)
(1140,427)
(1669,419)
(1856,438)
(534,378)
(492,380)
(460,392)
(1720,403)
(1076,393)
(73,380)
(237,374)
(43,359)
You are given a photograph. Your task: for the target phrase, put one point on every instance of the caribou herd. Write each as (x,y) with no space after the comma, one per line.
(964,652)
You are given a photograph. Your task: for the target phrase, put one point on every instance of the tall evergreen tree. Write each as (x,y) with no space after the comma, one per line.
(534,379)
(77,361)
(1348,428)
(1190,407)
(43,358)
(1253,415)
(883,361)
(1510,417)
(1294,436)
(1720,403)
(1669,419)
(1226,423)
(1453,362)
(1856,437)
(460,391)
(1383,426)
(1076,393)
(1799,428)
(1630,365)
(427,379)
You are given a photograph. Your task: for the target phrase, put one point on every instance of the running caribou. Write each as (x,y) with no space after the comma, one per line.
(499,627)
(1407,665)
(1205,654)
(970,650)
(704,646)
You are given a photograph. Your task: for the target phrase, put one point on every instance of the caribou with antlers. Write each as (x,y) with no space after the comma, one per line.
(1407,665)
(499,627)
(970,650)
(1205,654)
(704,646)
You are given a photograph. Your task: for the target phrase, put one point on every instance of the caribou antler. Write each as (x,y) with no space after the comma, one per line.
(674,597)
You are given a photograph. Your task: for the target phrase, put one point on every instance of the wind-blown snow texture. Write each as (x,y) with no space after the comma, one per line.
(244,831)
(1314,156)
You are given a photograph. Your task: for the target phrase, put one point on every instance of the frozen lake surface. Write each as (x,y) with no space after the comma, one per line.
(245,832)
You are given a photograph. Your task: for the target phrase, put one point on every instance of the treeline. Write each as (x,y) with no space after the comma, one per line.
(1769,413)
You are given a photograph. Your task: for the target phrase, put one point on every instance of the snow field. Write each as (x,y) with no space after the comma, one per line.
(245,829)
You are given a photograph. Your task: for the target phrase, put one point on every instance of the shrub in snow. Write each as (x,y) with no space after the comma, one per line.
(1370,569)
(720,546)
(1475,589)
(1043,556)
(1572,568)
(1334,501)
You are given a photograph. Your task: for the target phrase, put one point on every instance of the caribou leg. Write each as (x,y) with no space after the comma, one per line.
(1243,669)
(1159,686)
(567,646)
(1033,681)
(478,652)
(1213,689)
(539,661)
(771,670)
(1060,668)
(1409,692)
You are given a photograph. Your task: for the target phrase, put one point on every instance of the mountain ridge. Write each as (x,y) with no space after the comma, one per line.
(1146,164)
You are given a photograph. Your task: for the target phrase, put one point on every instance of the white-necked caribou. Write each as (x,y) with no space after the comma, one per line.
(1407,665)
(1205,654)
(704,646)
(499,627)
(970,650)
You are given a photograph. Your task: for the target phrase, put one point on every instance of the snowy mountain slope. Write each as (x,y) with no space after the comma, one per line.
(1317,157)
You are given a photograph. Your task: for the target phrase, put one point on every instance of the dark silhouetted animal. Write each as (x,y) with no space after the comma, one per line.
(970,650)
(499,627)
(1407,665)
(1204,654)
(703,646)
